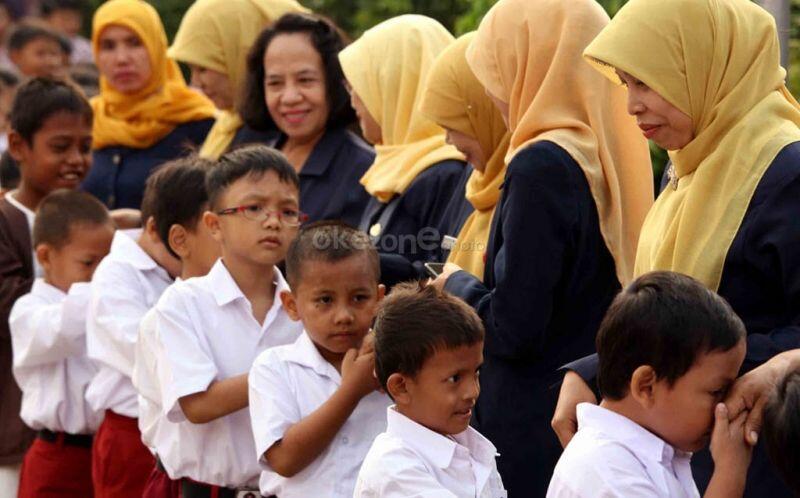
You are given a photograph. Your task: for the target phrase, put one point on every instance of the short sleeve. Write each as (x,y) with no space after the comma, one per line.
(398,474)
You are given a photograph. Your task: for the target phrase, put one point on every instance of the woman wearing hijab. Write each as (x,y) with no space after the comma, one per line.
(145,114)
(415,172)
(576,191)
(213,39)
(705,82)
(455,100)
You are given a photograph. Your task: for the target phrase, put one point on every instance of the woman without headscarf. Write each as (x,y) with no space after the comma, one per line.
(415,174)
(295,85)
(213,39)
(145,114)
(704,82)
(576,191)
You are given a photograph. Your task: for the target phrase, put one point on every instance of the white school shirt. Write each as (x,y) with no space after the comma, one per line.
(48,337)
(125,285)
(287,384)
(612,456)
(156,430)
(38,271)
(206,328)
(411,460)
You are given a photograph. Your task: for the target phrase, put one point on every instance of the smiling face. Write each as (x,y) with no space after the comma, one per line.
(76,260)
(123,60)
(214,85)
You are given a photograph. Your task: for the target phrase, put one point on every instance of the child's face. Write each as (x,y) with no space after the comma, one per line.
(683,414)
(336,301)
(442,394)
(42,57)
(258,242)
(67,21)
(76,260)
(59,155)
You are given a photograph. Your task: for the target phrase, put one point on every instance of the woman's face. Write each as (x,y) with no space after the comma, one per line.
(214,85)
(468,146)
(123,60)
(663,123)
(295,86)
(502,106)
(369,126)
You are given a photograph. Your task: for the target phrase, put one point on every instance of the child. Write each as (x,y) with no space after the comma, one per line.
(37,51)
(781,431)
(669,349)
(66,17)
(212,328)
(126,285)
(313,404)
(44,113)
(181,200)
(428,350)
(8,90)
(71,234)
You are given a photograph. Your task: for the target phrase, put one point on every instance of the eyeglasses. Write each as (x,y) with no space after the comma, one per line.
(257,212)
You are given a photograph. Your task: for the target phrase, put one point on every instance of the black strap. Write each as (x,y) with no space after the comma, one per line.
(80,440)
(192,489)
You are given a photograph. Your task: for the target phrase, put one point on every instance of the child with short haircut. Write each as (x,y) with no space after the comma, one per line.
(71,234)
(428,351)
(44,113)
(37,51)
(8,90)
(181,199)
(668,349)
(781,429)
(66,17)
(314,405)
(212,328)
(125,286)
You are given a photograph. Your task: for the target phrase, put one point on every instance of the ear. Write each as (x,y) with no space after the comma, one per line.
(397,385)
(211,221)
(177,240)
(643,386)
(14,56)
(290,304)
(43,254)
(17,147)
(151,230)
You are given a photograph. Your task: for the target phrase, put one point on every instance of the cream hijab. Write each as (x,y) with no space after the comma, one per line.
(528,53)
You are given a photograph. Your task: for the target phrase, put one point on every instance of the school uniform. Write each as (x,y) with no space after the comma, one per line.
(126,284)
(548,281)
(119,173)
(30,216)
(613,456)
(207,332)
(287,384)
(329,179)
(411,460)
(48,333)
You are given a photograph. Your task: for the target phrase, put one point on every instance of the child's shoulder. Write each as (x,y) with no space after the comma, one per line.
(276,360)
(591,458)
(389,459)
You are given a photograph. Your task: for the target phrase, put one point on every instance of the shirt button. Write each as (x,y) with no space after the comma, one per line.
(345,440)
(116,159)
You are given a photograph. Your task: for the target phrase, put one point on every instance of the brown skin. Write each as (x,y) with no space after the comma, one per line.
(40,58)
(75,260)
(195,247)
(151,244)
(123,60)
(370,128)
(214,85)
(469,146)
(66,21)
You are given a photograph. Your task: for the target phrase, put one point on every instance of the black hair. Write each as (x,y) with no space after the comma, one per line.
(328,40)
(87,77)
(8,79)
(47,7)
(61,210)
(253,160)
(781,429)
(9,172)
(40,98)
(665,320)
(415,321)
(329,241)
(175,194)
(28,32)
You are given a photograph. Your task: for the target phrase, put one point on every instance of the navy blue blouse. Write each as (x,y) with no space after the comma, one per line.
(118,174)
(247,136)
(549,278)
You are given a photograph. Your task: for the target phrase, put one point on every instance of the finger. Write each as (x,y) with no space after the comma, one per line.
(350,356)
(754,419)
(720,421)
(737,400)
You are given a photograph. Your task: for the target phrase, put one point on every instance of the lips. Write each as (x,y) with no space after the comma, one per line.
(295,117)
(270,242)
(649,130)
(465,413)
(71,177)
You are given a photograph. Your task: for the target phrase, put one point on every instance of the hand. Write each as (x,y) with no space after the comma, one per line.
(440,281)
(357,373)
(565,419)
(367,344)
(127,218)
(729,448)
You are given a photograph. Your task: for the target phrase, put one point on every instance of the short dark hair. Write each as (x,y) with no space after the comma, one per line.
(781,429)
(28,32)
(175,194)
(9,172)
(8,79)
(47,7)
(328,40)
(63,209)
(40,98)
(415,321)
(250,160)
(329,241)
(665,320)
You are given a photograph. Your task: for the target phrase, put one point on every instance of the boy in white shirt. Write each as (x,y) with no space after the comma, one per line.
(212,328)
(127,283)
(181,200)
(314,404)
(668,349)
(72,232)
(428,351)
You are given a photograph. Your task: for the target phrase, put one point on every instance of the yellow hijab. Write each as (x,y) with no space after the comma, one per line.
(527,53)
(387,67)
(142,119)
(717,61)
(217,34)
(455,99)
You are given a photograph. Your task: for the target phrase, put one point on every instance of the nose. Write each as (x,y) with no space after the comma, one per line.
(635,104)
(472,390)
(196,80)
(272,220)
(344,315)
(291,94)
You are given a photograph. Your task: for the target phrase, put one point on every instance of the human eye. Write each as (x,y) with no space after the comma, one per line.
(360,297)
(252,209)
(324,300)
(454,379)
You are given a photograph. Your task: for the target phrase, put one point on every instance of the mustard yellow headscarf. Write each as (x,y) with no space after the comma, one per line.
(387,67)
(719,62)
(217,34)
(527,53)
(455,99)
(142,119)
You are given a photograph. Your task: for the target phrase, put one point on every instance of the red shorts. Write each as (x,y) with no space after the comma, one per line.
(121,464)
(159,485)
(56,469)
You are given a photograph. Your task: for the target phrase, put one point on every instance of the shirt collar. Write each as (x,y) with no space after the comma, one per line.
(431,445)
(47,291)
(225,289)
(22,207)
(305,353)
(125,248)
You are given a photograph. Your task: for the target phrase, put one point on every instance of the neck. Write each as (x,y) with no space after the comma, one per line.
(191,270)
(27,197)
(630,409)
(297,149)
(255,281)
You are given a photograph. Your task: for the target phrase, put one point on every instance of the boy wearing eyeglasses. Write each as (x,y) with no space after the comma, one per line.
(211,328)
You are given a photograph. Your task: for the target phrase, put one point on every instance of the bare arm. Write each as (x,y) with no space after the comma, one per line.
(220,399)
